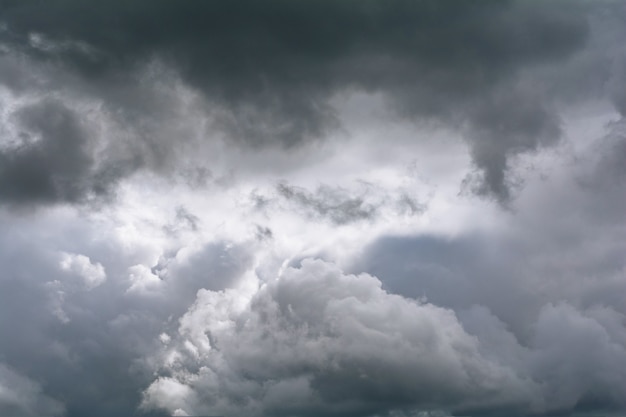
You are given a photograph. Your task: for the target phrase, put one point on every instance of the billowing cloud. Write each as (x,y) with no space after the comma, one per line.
(316,341)
(290,208)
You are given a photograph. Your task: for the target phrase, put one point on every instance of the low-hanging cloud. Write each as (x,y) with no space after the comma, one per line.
(269,71)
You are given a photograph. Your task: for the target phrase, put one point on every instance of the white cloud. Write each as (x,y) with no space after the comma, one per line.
(92,274)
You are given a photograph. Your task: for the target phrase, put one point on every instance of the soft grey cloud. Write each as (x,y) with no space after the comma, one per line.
(20,396)
(539,297)
(545,258)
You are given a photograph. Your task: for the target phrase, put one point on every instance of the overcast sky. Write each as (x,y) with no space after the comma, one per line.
(293,208)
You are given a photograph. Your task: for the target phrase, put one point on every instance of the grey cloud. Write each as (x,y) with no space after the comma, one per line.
(214,267)
(87,361)
(540,298)
(340,205)
(53,161)
(20,396)
(316,341)
(498,132)
(53,158)
(526,317)
(329,203)
(609,171)
(77,349)
(269,71)
(458,273)
(183,220)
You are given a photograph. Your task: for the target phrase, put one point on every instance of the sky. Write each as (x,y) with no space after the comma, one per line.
(297,208)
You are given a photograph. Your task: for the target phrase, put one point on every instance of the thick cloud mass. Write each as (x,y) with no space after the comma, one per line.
(269,71)
(321,341)
(291,208)
(316,341)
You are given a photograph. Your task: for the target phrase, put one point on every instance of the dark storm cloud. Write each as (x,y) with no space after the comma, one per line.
(508,123)
(54,160)
(269,69)
(64,140)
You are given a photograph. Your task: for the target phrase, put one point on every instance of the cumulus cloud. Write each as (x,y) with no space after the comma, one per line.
(318,341)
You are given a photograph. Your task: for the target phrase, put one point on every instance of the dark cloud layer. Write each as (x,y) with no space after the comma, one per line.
(270,69)
(54,161)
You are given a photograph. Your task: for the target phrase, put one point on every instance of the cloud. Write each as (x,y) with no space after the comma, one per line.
(53,156)
(361,201)
(21,396)
(70,323)
(65,141)
(268,73)
(52,162)
(521,314)
(267,208)
(541,256)
(318,341)
(92,274)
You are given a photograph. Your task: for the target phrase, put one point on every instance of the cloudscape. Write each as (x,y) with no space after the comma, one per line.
(312,208)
